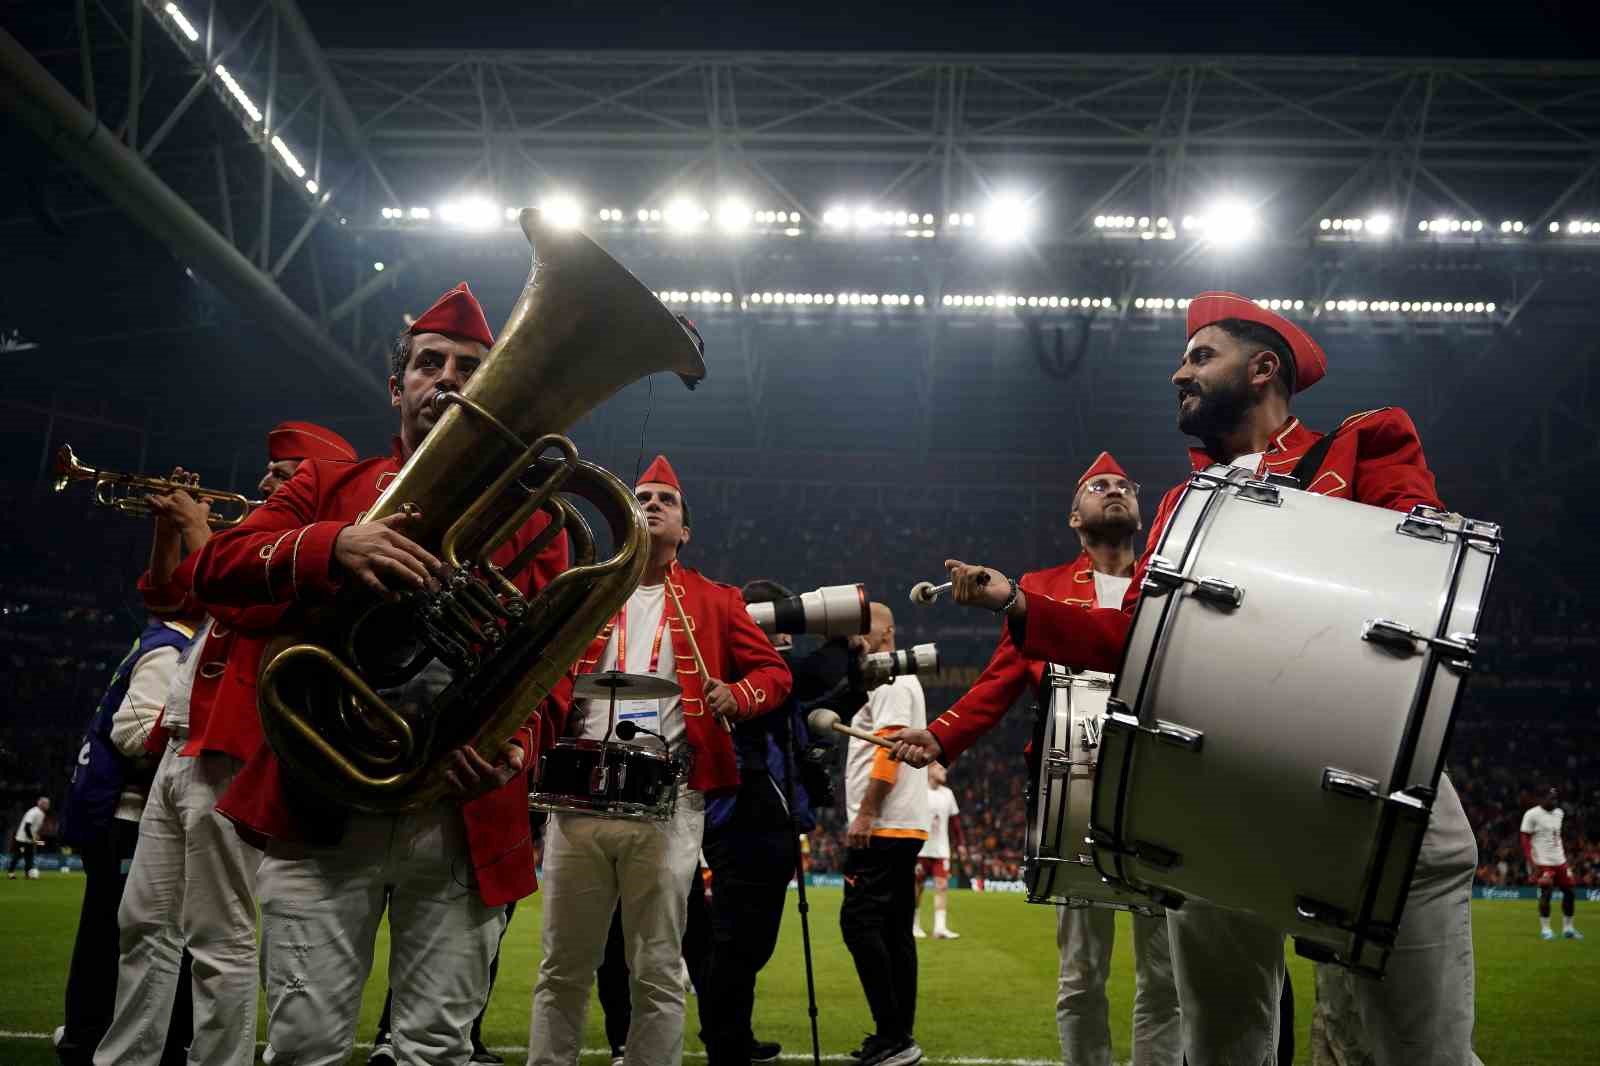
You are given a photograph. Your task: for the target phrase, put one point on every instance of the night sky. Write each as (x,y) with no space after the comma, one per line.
(1567,29)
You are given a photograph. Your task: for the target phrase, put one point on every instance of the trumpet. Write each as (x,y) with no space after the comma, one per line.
(128,492)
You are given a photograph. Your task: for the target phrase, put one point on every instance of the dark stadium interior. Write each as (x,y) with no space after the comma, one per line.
(832,443)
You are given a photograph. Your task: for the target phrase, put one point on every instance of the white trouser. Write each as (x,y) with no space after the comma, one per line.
(1229,967)
(589,863)
(1083,1015)
(192,883)
(320,909)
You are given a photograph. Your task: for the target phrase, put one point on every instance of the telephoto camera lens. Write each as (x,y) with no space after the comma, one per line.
(831,611)
(882,667)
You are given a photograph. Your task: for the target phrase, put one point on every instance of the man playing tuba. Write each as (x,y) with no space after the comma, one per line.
(446,871)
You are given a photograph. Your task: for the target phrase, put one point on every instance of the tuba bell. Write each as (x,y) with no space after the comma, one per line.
(364,704)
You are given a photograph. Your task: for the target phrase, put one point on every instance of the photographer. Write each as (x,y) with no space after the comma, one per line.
(750,843)
(889,816)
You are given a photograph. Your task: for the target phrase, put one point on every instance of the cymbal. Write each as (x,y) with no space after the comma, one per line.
(626,686)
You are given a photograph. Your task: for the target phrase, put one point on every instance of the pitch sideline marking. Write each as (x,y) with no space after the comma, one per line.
(603,1053)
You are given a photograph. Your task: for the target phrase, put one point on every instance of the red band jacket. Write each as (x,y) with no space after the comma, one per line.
(1376,459)
(1009,672)
(283,555)
(736,652)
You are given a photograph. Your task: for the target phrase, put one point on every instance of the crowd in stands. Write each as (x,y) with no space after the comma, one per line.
(1531,717)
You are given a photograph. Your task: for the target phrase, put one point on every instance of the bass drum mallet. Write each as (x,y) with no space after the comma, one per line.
(822,720)
(923,593)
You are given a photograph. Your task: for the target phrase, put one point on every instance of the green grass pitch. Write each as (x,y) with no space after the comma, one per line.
(988,996)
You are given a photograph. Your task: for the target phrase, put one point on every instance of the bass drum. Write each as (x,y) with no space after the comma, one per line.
(1057,864)
(1275,738)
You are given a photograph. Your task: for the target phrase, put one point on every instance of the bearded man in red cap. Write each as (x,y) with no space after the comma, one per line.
(1105,515)
(590,863)
(446,872)
(1239,371)
(192,881)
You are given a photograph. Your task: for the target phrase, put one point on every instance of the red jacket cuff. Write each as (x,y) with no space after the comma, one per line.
(299,563)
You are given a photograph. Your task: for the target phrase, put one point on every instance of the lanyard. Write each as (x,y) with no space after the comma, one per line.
(622,640)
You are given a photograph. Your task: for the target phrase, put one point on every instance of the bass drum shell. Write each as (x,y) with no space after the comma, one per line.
(1268,756)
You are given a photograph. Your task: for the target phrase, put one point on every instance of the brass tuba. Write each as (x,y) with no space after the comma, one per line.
(357,706)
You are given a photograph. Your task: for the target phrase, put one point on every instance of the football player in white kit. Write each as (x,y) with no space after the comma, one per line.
(1547,863)
(934,858)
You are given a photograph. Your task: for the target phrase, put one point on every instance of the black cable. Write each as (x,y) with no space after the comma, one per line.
(650,401)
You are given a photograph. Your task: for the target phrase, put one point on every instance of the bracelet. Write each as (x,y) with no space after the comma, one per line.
(1011,601)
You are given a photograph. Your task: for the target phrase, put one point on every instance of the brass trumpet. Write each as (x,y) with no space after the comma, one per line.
(128,492)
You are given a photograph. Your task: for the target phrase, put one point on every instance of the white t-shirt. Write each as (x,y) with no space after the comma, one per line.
(941,808)
(1109,589)
(899,704)
(136,716)
(175,715)
(28,828)
(644,613)
(1545,827)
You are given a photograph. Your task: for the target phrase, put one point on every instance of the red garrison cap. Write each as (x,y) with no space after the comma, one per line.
(1105,464)
(456,314)
(1310,364)
(307,440)
(660,472)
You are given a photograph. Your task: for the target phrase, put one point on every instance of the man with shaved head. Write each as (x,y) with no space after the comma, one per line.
(889,816)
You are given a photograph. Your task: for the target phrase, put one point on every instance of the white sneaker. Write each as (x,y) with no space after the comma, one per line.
(1571,934)
(945,934)
(1546,934)
(55,1037)
(916,931)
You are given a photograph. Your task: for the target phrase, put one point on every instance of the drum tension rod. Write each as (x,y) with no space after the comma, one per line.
(1179,736)
(1162,577)
(1397,636)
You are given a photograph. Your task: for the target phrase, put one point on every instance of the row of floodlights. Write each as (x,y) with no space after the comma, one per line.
(187,28)
(988,301)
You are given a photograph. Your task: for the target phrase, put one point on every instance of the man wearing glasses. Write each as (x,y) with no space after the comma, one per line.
(1105,515)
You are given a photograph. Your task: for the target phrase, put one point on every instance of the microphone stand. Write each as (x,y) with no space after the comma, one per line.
(800,885)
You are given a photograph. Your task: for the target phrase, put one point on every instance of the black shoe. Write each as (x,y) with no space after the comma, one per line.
(764,1050)
(382,1051)
(871,1048)
(892,1051)
(483,1055)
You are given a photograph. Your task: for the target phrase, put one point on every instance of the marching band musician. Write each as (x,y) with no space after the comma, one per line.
(192,882)
(1105,515)
(592,862)
(1235,380)
(445,872)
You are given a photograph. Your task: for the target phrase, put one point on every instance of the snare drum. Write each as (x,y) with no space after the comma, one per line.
(605,779)
(1277,731)
(1057,865)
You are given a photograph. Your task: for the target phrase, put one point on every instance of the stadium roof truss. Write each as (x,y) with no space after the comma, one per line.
(299,150)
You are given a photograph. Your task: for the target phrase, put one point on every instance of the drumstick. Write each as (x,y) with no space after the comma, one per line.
(821,720)
(694,647)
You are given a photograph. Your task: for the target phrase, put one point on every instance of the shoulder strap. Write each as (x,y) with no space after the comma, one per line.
(1310,464)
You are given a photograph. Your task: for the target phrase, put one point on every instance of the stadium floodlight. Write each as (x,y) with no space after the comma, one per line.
(1380,224)
(311,185)
(420,214)
(378,266)
(182,22)
(563,211)
(733,215)
(473,213)
(836,217)
(237,92)
(683,215)
(1008,219)
(290,160)
(1228,222)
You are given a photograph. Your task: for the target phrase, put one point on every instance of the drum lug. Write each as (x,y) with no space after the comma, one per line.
(1348,784)
(1161,577)
(1263,492)
(1314,910)
(1400,637)
(1423,523)
(1156,855)
(1179,736)
(1057,763)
